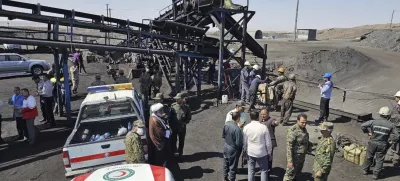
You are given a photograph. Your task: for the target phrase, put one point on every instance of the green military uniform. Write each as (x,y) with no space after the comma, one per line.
(134,150)
(297,145)
(325,151)
(180,116)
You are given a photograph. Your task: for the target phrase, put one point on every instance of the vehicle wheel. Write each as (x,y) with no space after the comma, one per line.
(37,70)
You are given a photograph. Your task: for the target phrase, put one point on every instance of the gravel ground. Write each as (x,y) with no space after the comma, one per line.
(384,39)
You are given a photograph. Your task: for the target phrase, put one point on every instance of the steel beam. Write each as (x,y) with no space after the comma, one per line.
(263,69)
(172,25)
(221,52)
(60,44)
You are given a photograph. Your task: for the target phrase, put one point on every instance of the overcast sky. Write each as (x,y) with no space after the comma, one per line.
(271,15)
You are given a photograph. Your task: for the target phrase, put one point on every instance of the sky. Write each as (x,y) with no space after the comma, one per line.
(271,15)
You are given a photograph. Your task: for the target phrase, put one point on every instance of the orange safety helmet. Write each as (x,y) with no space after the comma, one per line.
(281,70)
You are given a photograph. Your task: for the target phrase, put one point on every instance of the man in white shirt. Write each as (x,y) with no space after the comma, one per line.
(46,92)
(258,146)
(239,108)
(29,113)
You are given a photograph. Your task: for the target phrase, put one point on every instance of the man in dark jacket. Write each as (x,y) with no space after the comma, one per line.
(180,117)
(253,90)
(271,124)
(380,132)
(232,147)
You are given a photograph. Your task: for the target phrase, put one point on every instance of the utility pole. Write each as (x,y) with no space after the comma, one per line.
(295,23)
(391,19)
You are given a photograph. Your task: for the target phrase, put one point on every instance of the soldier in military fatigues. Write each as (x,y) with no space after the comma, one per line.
(297,145)
(180,116)
(289,94)
(98,81)
(134,151)
(325,151)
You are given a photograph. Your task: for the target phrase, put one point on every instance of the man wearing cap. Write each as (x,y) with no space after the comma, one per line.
(297,146)
(244,81)
(159,132)
(159,98)
(253,90)
(278,86)
(381,130)
(240,109)
(121,78)
(324,153)
(180,117)
(134,151)
(289,94)
(98,81)
(233,144)
(326,93)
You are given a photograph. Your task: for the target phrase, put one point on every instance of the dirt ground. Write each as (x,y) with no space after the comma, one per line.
(204,144)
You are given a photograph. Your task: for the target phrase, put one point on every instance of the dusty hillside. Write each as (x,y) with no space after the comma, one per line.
(351,33)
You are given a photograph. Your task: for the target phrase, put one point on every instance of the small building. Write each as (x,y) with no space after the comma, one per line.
(307,34)
(258,34)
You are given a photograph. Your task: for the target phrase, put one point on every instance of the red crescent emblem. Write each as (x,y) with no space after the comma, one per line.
(123,174)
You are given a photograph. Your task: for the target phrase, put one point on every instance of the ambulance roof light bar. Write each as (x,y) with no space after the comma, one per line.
(112,87)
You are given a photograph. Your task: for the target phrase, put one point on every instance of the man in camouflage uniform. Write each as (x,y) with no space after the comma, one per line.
(121,78)
(297,145)
(98,81)
(289,93)
(180,116)
(134,151)
(325,151)
(278,86)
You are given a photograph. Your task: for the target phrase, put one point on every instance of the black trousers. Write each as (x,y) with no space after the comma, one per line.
(324,109)
(179,134)
(48,101)
(43,108)
(377,150)
(81,66)
(253,99)
(21,127)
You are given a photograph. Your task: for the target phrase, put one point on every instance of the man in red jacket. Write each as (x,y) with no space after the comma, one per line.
(29,113)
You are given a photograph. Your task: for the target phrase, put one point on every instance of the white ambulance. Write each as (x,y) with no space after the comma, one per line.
(129,172)
(104,118)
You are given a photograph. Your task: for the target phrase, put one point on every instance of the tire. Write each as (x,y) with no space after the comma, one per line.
(37,70)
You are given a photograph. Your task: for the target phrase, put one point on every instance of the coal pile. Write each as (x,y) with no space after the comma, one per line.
(384,39)
(343,63)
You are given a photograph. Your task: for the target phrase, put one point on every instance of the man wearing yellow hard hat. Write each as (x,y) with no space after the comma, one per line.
(278,85)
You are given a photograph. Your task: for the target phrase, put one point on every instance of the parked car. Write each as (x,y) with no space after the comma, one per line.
(11,46)
(15,63)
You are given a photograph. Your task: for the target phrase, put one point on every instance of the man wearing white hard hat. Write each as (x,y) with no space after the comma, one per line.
(254,72)
(244,81)
(381,130)
(395,150)
(159,135)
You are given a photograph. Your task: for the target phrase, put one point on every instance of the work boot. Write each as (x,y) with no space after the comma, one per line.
(366,172)
(375,177)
